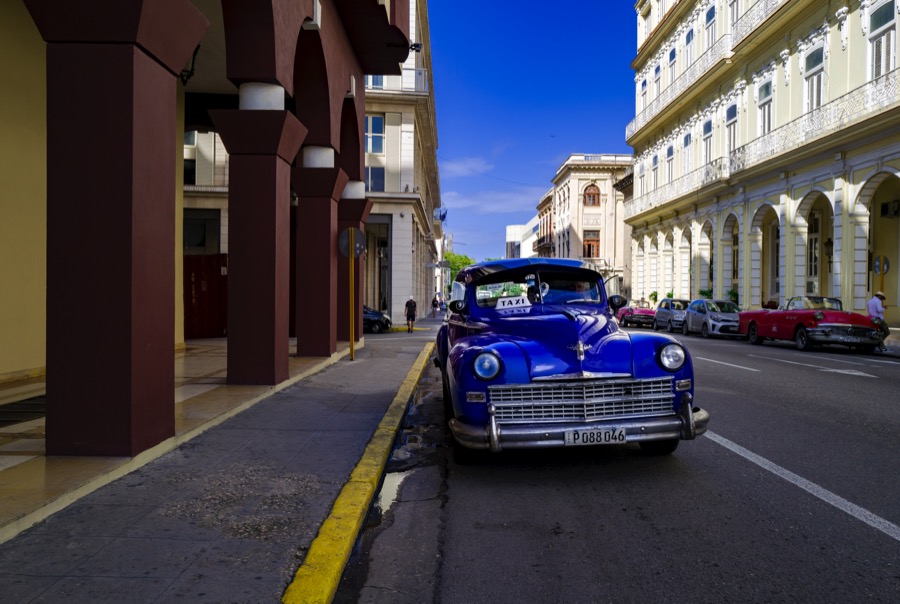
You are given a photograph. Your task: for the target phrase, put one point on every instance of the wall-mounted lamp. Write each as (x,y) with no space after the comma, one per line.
(187,74)
(416,47)
(829,251)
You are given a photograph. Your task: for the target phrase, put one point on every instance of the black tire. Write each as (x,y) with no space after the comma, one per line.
(624,322)
(669,327)
(801,339)
(684,329)
(659,447)
(704,330)
(753,334)
(375,327)
(448,400)
(655,325)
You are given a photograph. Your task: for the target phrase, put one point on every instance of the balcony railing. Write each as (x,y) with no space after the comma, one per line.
(714,171)
(753,18)
(855,106)
(720,50)
(749,21)
(411,80)
(842,113)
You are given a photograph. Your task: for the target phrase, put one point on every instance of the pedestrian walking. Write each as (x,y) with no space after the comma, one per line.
(875,308)
(410,314)
(435,305)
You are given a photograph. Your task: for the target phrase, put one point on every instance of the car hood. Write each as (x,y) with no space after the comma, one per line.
(561,342)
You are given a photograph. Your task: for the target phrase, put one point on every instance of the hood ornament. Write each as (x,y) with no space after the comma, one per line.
(579,349)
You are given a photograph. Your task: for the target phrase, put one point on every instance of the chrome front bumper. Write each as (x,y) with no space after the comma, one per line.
(844,335)
(687,424)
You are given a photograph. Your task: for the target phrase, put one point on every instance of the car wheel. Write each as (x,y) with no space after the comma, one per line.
(801,339)
(659,447)
(655,325)
(704,331)
(448,401)
(375,327)
(669,327)
(753,334)
(684,329)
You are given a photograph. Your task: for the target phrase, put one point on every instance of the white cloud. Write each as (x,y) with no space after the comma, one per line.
(511,200)
(465,166)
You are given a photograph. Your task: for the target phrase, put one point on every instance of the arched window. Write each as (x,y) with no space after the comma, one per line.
(592,196)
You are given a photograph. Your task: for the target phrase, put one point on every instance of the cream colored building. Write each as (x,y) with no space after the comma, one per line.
(767,150)
(404,230)
(584,217)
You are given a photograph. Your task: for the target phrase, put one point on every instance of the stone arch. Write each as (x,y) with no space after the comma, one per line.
(640,259)
(706,256)
(814,230)
(668,267)
(766,255)
(352,157)
(654,256)
(731,254)
(685,260)
(312,84)
(875,234)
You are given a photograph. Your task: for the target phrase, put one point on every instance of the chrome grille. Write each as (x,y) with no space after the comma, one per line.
(582,401)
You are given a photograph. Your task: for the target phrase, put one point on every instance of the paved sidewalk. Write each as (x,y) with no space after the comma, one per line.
(231,515)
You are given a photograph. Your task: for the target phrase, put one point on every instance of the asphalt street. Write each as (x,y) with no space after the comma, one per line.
(791,497)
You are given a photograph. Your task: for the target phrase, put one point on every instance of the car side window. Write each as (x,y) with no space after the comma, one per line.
(457,291)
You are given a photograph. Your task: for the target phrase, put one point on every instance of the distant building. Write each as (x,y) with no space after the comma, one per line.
(767,148)
(521,239)
(405,227)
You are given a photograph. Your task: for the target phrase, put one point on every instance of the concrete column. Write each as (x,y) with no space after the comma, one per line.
(111,132)
(319,185)
(353,211)
(261,146)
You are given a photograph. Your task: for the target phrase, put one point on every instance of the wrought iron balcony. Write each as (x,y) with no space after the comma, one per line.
(411,80)
(715,171)
(753,18)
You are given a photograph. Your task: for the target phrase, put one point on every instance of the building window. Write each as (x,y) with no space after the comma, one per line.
(735,256)
(815,72)
(592,196)
(686,163)
(657,77)
(643,95)
(655,166)
(190,138)
(190,171)
(375,134)
(591,244)
(374,179)
(707,141)
(882,28)
(375,82)
(641,189)
(672,74)
(688,48)
(764,107)
(730,129)
(670,163)
(734,11)
(710,27)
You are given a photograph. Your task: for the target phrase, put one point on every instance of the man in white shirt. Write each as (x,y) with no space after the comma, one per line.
(875,308)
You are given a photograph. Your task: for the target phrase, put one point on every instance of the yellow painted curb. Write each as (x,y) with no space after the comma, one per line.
(317,579)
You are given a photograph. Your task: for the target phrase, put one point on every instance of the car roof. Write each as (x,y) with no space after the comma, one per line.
(482,269)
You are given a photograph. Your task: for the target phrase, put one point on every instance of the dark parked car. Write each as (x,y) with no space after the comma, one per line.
(375,321)
(532,357)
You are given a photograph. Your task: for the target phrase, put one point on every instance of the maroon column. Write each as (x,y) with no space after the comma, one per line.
(351,213)
(111,132)
(318,190)
(261,146)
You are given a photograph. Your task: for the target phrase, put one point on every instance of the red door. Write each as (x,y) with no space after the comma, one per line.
(205,296)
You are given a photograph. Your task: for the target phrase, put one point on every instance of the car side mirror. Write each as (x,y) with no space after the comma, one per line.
(458,306)
(616,302)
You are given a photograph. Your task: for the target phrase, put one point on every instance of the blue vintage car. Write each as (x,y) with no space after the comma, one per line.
(530,356)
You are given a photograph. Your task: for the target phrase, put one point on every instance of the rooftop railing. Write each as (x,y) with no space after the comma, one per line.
(410,80)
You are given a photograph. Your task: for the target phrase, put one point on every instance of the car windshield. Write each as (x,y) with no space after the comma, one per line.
(680,304)
(524,290)
(722,306)
(640,304)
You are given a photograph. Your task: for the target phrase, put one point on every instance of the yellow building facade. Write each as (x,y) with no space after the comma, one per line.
(767,150)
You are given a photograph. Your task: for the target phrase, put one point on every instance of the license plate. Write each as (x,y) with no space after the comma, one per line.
(596,436)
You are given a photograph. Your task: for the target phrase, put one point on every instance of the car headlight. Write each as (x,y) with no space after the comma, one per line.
(487,366)
(819,315)
(672,357)
(679,314)
(715,317)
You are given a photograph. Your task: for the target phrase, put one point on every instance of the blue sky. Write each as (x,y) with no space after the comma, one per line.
(519,86)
